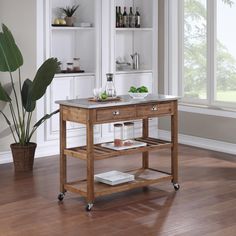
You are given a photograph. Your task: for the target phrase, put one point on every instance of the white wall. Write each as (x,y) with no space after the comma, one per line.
(20,18)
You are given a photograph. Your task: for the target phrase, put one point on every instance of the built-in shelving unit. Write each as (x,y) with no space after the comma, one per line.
(67,43)
(143,41)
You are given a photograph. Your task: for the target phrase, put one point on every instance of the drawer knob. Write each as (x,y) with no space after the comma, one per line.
(116,113)
(154,108)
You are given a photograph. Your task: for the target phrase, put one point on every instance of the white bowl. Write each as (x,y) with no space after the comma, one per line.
(138,95)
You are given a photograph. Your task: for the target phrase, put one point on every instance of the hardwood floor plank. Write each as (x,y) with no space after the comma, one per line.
(204,205)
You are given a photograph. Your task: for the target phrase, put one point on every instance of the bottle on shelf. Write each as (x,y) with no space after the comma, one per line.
(137,18)
(125,19)
(120,18)
(131,18)
(117,16)
(76,65)
(110,87)
(69,66)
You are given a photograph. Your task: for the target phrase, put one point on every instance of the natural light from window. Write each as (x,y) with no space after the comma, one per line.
(209,79)
(195,49)
(226,52)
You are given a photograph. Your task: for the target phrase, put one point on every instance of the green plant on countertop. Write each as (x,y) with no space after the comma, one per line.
(142,89)
(29,92)
(69,11)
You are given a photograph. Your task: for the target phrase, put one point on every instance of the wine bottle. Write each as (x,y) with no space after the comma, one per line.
(137,18)
(125,19)
(131,18)
(117,17)
(120,18)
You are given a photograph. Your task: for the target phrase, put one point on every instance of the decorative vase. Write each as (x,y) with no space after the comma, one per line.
(23,156)
(70,20)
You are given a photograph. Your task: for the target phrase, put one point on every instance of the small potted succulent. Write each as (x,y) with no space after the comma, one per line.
(69,12)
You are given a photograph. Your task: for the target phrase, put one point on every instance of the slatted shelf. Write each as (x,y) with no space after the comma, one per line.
(103,153)
(143,177)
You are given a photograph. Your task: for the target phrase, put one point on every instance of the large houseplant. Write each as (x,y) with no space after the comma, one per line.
(22,99)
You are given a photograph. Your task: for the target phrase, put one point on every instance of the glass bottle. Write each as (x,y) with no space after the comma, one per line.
(125,19)
(110,87)
(128,135)
(120,18)
(131,18)
(117,16)
(76,66)
(118,135)
(137,18)
(69,66)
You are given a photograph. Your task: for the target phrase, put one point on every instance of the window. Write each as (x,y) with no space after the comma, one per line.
(208,49)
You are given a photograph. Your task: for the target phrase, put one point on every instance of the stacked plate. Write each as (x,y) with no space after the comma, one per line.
(114,177)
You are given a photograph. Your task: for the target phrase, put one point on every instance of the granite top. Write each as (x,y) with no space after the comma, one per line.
(125,100)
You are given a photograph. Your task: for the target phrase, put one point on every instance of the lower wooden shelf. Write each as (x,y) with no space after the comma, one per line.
(103,153)
(143,177)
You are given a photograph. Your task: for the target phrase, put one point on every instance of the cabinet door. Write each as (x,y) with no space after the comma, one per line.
(60,89)
(83,88)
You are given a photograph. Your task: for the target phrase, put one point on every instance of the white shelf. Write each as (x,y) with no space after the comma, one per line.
(70,28)
(133,29)
(133,71)
(62,75)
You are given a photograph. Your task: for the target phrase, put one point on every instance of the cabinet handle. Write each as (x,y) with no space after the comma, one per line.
(116,113)
(154,108)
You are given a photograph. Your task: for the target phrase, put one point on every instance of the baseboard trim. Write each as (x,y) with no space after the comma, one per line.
(6,157)
(204,143)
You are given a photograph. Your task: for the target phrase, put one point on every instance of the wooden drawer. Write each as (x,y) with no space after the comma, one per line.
(113,114)
(155,109)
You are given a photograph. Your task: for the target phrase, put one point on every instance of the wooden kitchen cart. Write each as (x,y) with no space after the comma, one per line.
(90,113)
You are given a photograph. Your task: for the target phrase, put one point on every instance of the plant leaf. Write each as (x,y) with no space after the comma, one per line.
(7,120)
(43,78)
(47,116)
(27,102)
(10,56)
(3,95)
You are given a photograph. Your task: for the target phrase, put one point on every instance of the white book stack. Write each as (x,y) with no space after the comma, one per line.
(114,177)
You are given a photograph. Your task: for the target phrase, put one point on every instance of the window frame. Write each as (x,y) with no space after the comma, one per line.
(211,90)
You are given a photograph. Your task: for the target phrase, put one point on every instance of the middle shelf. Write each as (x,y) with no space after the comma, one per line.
(103,153)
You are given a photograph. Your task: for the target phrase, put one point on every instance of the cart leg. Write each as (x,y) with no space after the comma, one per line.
(90,165)
(62,156)
(174,149)
(145,135)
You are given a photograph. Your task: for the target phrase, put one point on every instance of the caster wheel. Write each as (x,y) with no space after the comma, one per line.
(176,186)
(61,196)
(89,207)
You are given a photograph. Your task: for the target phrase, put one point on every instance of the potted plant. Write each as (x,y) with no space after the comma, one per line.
(69,12)
(22,100)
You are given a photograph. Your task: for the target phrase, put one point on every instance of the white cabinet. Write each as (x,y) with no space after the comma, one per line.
(65,88)
(98,47)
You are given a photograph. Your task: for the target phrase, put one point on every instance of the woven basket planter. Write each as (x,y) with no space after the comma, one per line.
(23,156)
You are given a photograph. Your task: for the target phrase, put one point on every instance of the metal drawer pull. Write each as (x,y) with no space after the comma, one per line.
(154,108)
(116,113)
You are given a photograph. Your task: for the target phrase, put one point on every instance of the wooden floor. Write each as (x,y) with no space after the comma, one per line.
(205,204)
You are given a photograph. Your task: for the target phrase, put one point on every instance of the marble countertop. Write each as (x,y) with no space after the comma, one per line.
(125,100)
